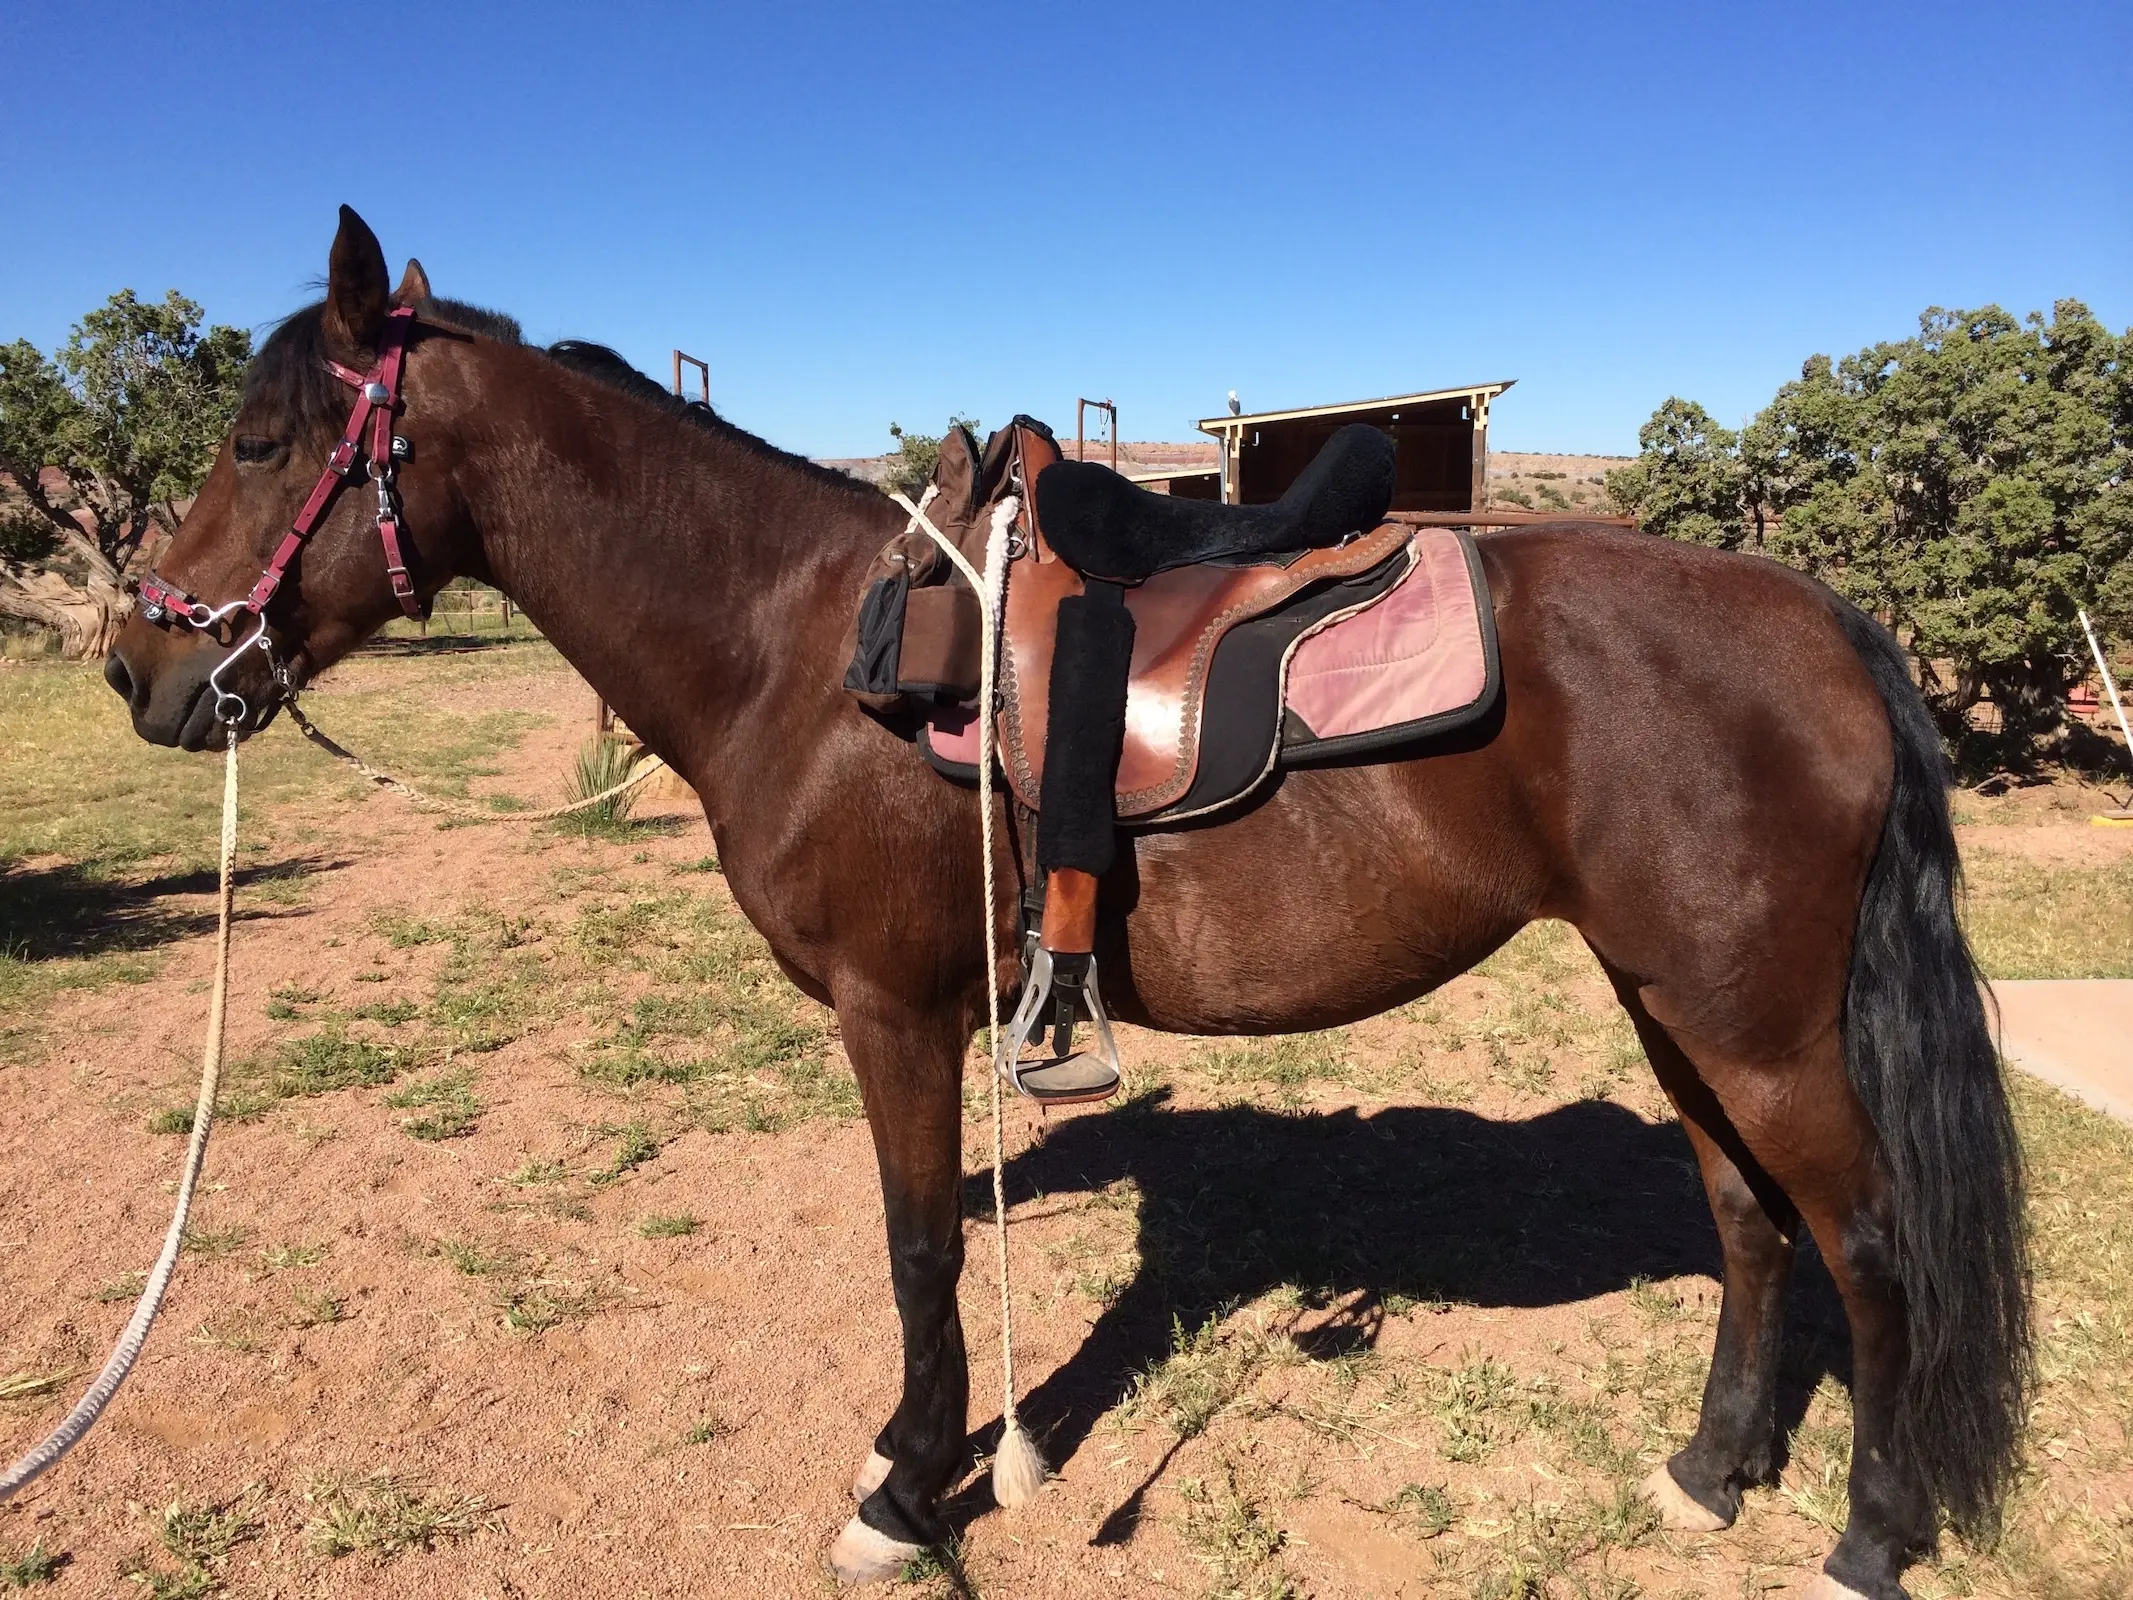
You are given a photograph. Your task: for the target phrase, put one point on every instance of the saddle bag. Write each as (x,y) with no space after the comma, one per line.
(917,634)
(915,638)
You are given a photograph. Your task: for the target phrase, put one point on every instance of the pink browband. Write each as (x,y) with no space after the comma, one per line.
(377,397)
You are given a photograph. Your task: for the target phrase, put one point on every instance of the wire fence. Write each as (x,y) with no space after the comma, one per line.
(463,611)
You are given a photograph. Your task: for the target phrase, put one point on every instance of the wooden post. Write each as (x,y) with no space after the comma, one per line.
(1081,409)
(703,373)
(1478,496)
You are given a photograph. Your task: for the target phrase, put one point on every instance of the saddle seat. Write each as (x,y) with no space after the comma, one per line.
(1107,527)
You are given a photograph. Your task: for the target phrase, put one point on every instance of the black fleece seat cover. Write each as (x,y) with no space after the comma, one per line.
(1106,527)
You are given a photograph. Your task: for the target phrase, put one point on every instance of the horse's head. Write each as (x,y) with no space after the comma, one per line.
(195,654)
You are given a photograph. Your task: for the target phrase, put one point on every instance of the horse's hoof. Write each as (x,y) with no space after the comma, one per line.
(862,1554)
(872,1475)
(1679,1509)
(1827,1588)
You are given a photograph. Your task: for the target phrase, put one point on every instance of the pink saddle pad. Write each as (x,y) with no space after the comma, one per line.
(1419,657)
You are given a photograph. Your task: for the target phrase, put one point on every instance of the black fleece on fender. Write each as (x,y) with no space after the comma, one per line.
(1091,661)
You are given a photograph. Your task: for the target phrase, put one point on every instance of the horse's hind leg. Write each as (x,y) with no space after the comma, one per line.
(1797,1118)
(1699,1489)
(1827,1156)
(1807,1127)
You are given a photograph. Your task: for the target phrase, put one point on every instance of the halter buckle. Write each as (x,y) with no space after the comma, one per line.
(161,603)
(376,393)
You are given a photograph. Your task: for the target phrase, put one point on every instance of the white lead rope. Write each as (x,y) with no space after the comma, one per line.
(2110,685)
(128,1350)
(1018,1470)
(91,1405)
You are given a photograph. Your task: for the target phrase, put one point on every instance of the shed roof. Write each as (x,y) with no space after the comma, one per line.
(1221,424)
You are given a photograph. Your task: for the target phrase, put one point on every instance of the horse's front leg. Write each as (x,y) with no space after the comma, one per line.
(910,1067)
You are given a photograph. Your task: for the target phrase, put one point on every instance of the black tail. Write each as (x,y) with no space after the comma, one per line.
(1921,1056)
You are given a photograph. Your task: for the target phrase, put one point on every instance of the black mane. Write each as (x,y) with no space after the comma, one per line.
(288,377)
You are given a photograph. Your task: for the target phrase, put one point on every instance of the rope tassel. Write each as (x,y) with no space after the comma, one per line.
(1018,1469)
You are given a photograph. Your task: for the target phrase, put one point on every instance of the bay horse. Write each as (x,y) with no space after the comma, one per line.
(1712,767)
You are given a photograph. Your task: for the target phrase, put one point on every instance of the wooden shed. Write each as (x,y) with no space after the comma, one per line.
(1441,442)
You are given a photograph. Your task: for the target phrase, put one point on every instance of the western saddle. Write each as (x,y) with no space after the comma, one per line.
(1116,599)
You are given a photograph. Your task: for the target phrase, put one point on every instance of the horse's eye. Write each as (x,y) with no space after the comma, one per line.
(251,448)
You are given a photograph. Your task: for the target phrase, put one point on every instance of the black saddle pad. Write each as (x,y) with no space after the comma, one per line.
(1106,527)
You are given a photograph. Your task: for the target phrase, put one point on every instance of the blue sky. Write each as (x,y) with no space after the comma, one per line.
(867,213)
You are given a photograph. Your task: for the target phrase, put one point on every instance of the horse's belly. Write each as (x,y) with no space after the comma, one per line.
(1348,892)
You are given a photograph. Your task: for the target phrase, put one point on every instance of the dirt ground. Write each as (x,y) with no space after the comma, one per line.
(1551,482)
(1399,1311)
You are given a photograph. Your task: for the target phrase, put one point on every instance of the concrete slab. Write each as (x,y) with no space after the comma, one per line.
(2076,1034)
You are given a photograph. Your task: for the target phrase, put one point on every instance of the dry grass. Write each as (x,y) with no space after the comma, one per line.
(35,1567)
(384,1514)
(528,1293)
(1209,1369)
(199,1538)
(446,1100)
(24,1386)
(601,763)
(1229,1526)
(2032,921)
(100,797)
(667,1227)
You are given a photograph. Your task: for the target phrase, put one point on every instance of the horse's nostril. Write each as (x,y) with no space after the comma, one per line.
(119,678)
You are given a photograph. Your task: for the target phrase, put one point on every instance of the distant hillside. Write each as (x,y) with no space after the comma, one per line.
(1550,483)
(1516,477)
(1133,456)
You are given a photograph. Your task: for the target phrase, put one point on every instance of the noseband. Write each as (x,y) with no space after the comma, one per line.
(377,397)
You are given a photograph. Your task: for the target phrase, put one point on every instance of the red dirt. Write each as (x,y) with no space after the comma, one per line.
(776,1320)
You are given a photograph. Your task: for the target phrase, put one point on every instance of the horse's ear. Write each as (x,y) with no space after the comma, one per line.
(357,299)
(414,285)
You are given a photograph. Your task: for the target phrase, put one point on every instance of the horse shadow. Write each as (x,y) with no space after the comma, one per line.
(68,910)
(1428,1204)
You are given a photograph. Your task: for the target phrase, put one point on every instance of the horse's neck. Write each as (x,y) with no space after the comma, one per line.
(699,586)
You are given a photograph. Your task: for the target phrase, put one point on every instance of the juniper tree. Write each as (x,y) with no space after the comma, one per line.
(1969,485)
(127,417)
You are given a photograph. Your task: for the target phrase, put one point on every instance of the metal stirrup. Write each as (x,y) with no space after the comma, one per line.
(1035,993)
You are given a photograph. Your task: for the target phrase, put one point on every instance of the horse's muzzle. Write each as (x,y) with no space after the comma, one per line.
(175,704)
